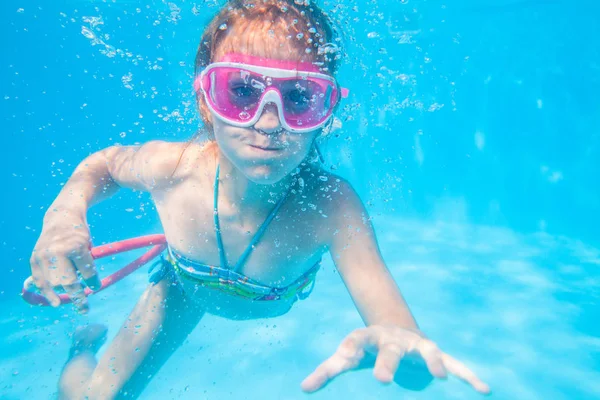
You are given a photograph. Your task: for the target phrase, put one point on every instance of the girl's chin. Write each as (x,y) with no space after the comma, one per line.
(265,174)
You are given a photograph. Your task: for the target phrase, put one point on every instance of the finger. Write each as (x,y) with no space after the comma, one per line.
(346,357)
(387,362)
(433,358)
(84,262)
(29,283)
(77,295)
(42,283)
(462,372)
(63,274)
(329,369)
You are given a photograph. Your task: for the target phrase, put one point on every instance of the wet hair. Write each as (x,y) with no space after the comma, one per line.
(305,26)
(302,30)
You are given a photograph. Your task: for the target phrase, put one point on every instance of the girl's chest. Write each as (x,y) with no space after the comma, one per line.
(277,256)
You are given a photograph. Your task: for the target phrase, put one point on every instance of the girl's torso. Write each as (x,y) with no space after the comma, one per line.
(290,247)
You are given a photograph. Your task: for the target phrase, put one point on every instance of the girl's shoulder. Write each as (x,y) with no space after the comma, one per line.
(332,202)
(165,164)
(192,157)
(328,189)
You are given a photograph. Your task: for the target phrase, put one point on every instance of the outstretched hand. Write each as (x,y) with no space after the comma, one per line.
(389,344)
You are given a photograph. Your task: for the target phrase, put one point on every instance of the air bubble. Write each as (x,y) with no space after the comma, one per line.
(126,79)
(257,85)
(93,21)
(328,48)
(87,33)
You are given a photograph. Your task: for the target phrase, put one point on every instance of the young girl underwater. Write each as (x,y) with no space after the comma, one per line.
(242,242)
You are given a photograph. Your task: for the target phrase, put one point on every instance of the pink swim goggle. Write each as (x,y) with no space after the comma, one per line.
(237,88)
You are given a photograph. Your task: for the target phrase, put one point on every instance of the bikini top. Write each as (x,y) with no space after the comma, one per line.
(229,279)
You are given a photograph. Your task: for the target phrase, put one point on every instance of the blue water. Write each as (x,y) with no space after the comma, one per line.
(472,133)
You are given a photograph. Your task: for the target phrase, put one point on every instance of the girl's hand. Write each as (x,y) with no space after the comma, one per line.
(62,249)
(389,344)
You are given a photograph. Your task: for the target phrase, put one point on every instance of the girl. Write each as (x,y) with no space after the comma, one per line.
(247,215)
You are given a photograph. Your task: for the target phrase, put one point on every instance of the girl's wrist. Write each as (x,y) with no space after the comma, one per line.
(417,331)
(61,208)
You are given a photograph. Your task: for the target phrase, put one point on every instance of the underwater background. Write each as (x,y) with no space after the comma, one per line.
(471,133)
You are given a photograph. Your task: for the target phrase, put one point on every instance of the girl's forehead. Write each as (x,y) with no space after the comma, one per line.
(260,49)
(250,59)
(267,44)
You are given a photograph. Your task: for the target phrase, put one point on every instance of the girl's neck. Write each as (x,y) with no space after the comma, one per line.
(241,196)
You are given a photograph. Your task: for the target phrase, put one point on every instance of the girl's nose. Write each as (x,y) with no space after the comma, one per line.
(269,121)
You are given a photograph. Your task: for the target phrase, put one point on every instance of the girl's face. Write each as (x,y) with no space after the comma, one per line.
(265,153)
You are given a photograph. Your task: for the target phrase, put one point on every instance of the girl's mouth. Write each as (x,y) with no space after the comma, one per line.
(267,148)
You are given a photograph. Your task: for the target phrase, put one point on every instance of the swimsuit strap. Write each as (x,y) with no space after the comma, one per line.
(216,219)
(261,230)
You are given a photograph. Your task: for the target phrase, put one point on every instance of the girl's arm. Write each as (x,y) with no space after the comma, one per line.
(64,243)
(391,331)
(100,175)
(356,255)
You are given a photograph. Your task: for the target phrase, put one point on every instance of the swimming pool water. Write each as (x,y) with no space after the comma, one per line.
(471,133)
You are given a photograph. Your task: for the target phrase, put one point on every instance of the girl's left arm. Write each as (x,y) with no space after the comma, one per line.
(356,255)
(391,331)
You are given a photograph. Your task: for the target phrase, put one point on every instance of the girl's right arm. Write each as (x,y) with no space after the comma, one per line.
(64,243)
